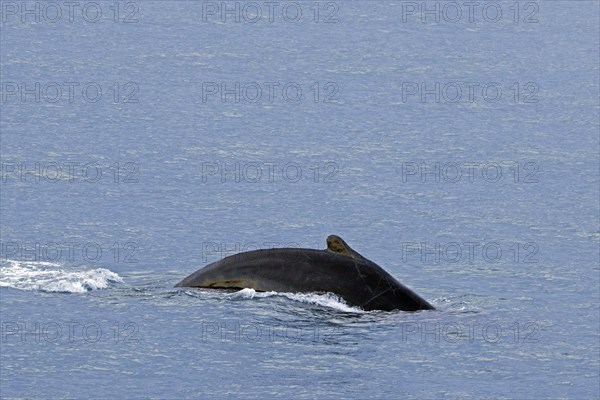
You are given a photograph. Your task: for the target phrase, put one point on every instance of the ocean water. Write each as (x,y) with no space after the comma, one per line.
(455,145)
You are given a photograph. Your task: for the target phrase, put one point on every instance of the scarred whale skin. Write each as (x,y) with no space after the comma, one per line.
(338,269)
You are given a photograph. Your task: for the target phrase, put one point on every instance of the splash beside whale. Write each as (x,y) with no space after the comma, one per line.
(338,269)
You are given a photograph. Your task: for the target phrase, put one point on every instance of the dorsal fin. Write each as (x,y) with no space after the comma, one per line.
(336,244)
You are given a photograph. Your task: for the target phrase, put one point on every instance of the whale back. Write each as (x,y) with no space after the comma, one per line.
(338,269)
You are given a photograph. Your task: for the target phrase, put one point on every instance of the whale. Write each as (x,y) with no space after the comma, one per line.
(338,269)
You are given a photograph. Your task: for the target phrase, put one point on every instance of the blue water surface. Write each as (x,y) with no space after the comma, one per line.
(457,148)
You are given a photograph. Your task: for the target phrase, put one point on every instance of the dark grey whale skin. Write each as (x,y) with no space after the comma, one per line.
(360,282)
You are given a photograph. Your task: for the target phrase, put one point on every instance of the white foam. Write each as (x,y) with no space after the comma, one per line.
(52,277)
(326,300)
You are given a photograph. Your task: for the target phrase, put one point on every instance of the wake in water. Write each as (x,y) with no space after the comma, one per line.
(53,277)
(325,300)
